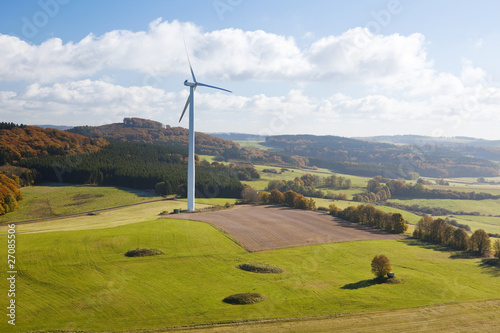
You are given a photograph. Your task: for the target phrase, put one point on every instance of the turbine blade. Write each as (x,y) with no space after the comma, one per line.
(185,108)
(190,67)
(187,104)
(206,85)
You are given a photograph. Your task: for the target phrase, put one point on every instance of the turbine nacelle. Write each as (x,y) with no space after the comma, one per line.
(189,84)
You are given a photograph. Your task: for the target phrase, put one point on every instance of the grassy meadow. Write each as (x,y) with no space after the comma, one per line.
(50,200)
(81,280)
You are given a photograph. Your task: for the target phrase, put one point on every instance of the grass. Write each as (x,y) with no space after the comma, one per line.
(213,201)
(55,199)
(342,204)
(80,280)
(486,207)
(209,158)
(107,219)
(254,144)
(487,223)
(461,317)
(261,184)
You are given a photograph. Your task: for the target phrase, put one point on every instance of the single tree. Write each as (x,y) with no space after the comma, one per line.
(399,223)
(249,195)
(479,243)
(460,239)
(381,265)
(496,248)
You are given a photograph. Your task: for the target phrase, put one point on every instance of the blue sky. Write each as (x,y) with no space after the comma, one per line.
(331,67)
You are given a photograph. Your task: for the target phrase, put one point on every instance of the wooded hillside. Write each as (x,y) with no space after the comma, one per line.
(148,131)
(364,158)
(22,142)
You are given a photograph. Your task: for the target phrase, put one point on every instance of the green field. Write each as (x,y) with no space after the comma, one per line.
(486,207)
(81,280)
(62,199)
(253,144)
(488,223)
(261,184)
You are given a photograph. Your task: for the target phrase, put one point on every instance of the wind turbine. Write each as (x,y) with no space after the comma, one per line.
(190,102)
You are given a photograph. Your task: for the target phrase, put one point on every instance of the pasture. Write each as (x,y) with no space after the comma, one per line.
(80,280)
(51,200)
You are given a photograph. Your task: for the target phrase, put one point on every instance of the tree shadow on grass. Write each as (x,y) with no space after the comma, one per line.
(426,245)
(491,266)
(364,283)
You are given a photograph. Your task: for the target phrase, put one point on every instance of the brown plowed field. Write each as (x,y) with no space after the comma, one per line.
(260,228)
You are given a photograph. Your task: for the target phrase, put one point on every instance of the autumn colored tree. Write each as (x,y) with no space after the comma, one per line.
(398,223)
(264,197)
(496,249)
(301,202)
(479,243)
(289,198)
(334,210)
(9,195)
(381,266)
(276,197)
(422,231)
(460,239)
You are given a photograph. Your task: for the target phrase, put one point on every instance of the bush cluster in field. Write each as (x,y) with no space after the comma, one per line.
(260,267)
(143,252)
(244,298)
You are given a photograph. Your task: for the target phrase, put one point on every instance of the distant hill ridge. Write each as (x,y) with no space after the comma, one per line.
(149,131)
(410,139)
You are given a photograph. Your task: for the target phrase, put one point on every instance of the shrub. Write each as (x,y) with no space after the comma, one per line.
(244,298)
(276,197)
(334,210)
(264,197)
(249,195)
(142,252)
(381,266)
(260,267)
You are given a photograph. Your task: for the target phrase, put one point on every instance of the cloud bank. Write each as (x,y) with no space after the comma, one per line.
(392,75)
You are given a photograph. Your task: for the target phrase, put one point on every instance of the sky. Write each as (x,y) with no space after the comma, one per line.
(325,67)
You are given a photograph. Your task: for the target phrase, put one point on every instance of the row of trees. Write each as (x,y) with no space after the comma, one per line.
(372,217)
(306,183)
(9,195)
(439,232)
(275,197)
(378,191)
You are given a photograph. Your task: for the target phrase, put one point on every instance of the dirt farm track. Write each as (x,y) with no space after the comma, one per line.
(260,228)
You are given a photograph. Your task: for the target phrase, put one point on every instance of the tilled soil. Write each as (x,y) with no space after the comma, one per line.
(260,228)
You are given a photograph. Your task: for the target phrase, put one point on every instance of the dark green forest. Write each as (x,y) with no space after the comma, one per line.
(139,166)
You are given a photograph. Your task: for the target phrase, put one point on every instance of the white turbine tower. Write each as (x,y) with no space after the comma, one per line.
(190,101)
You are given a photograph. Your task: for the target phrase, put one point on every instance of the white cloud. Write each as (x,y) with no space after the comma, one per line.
(392,76)
(233,54)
